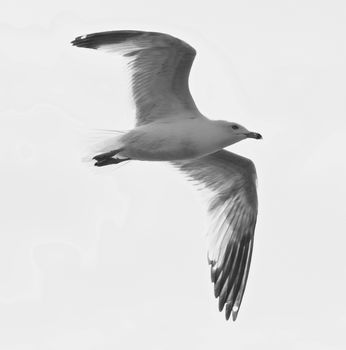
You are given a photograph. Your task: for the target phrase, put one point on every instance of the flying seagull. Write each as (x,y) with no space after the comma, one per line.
(169,127)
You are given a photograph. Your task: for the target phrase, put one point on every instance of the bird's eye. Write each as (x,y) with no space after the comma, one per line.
(235,127)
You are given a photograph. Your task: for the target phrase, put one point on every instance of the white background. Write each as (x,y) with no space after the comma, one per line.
(101,259)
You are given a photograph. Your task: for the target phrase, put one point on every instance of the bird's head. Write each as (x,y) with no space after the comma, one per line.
(238,132)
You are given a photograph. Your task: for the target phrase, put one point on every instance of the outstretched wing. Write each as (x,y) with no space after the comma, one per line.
(160,65)
(232,180)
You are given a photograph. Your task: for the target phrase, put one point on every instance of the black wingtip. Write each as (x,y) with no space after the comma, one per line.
(222,300)
(95,40)
(231,309)
(230,278)
(84,41)
(235,315)
(228,313)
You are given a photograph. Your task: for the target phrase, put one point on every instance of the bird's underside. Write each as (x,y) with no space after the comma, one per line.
(160,65)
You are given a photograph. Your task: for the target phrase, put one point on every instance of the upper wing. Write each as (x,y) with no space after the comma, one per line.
(160,66)
(232,180)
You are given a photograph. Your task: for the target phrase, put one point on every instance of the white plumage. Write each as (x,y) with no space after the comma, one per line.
(169,127)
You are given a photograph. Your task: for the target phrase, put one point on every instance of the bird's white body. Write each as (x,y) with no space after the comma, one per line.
(176,139)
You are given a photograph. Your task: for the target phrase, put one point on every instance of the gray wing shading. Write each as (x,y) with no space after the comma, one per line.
(160,65)
(232,182)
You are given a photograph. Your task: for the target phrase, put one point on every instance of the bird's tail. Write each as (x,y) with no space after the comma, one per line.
(103,146)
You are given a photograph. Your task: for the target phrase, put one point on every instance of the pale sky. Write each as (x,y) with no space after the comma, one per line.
(103,259)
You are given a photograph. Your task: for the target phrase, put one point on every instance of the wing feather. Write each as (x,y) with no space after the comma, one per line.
(232,181)
(160,65)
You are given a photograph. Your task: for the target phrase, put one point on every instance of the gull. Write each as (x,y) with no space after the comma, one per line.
(169,127)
